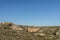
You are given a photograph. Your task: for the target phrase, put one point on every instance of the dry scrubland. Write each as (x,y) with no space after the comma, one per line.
(11,31)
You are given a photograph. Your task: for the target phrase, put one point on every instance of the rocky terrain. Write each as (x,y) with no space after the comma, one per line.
(11,31)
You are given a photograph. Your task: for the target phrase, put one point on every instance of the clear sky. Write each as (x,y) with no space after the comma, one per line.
(30,12)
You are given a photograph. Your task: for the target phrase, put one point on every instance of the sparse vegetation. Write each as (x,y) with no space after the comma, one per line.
(7,33)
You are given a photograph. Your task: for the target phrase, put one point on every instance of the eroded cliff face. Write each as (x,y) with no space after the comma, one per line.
(47,33)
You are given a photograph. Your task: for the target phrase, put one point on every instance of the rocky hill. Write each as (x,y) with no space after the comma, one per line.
(11,31)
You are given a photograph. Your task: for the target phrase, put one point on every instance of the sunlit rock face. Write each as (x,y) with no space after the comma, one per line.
(40,34)
(16,28)
(33,29)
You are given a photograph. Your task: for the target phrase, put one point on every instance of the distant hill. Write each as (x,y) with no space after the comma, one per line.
(11,31)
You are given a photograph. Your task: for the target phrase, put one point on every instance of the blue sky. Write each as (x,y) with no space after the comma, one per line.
(31,12)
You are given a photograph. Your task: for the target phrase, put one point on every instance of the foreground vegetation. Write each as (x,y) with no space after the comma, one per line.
(8,32)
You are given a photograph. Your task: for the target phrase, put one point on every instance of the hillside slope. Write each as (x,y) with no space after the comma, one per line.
(11,31)
(7,33)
